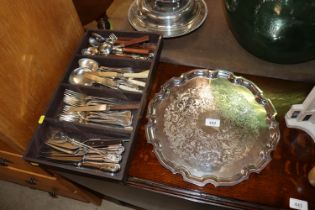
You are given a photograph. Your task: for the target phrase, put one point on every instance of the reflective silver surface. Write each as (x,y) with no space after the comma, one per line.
(88,63)
(171,18)
(212,127)
(77,77)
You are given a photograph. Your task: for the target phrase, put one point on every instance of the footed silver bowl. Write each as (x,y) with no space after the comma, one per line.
(171,18)
(212,127)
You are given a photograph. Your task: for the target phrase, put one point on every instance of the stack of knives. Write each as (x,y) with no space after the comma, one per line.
(102,154)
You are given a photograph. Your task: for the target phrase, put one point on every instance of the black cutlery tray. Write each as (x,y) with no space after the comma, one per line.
(50,123)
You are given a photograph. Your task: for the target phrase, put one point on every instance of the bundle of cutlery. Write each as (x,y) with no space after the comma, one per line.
(97,110)
(136,48)
(89,73)
(101,154)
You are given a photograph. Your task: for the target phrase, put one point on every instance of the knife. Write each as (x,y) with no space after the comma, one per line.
(70,144)
(99,142)
(104,107)
(138,40)
(63,143)
(108,167)
(64,150)
(82,151)
(109,158)
(111,167)
(142,51)
(111,83)
(142,75)
(56,153)
(114,148)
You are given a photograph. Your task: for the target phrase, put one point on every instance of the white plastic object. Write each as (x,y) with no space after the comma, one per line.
(302,116)
(298,204)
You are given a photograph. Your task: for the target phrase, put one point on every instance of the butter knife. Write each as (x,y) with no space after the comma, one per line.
(111,83)
(111,167)
(104,166)
(104,107)
(141,75)
(108,158)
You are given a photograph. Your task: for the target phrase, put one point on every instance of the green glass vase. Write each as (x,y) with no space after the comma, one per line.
(280,31)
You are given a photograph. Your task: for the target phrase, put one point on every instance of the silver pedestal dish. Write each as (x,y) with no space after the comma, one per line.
(212,127)
(171,18)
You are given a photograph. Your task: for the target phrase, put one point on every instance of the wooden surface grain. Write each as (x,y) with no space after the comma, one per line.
(38,38)
(284,177)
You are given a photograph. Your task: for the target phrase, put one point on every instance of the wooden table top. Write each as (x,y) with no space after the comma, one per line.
(284,177)
(214,45)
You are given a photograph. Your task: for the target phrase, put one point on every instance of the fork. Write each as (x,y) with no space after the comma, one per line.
(112,38)
(75,117)
(121,118)
(76,99)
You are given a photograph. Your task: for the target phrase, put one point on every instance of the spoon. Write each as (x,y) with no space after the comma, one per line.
(93,42)
(98,37)
(90,51)
(96,40)
(106,49)
(88,63)
(77,77)
(81,76)
(94,66)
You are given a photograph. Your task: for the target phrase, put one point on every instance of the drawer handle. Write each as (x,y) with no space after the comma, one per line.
(31,181)
(4,162)
(53,194)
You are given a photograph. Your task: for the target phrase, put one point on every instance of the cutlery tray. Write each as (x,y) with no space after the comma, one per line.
(51,123)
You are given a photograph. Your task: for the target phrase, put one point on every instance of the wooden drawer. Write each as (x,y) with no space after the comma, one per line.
(14,169)
(16,161)
(6,147)
(52,184)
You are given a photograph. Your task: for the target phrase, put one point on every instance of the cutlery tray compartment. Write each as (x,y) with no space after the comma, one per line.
(58,105)
(137,66)
(51,128)
(151,43)
(109,109)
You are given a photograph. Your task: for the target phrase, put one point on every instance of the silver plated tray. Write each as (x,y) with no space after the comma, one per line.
(212,127)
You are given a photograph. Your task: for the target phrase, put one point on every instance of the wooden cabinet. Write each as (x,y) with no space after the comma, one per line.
(14,169)
(38,39)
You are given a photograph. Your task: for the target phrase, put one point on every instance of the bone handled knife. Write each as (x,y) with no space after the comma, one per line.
(111,167)
(104,107)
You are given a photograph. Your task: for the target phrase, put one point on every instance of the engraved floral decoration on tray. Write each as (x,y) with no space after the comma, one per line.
(212,127)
